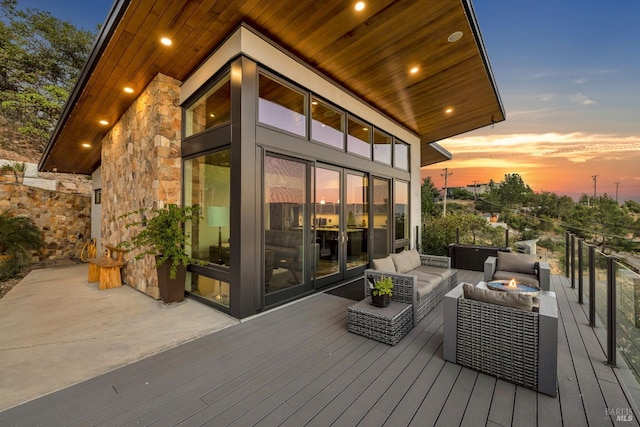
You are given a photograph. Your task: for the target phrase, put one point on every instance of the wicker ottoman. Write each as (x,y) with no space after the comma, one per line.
(388,324)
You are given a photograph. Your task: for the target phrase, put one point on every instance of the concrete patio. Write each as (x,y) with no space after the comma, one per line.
(57,330)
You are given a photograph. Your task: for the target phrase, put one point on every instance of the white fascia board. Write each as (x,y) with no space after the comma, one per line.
(246,42)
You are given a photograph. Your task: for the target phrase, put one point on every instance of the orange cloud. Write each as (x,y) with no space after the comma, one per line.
(559,162)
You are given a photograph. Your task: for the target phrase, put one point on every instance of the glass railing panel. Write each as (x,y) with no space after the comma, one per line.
(601,288)
(628,316)
(585,271)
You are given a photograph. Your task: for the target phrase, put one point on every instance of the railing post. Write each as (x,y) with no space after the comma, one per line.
(506,238)
(566,253)
(580,278)
(592,286)
(611,310)
(457,235)
(573,261)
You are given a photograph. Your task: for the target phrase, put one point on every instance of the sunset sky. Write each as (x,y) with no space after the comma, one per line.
(568,73)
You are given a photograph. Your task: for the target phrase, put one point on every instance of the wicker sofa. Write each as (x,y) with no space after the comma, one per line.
(514,344)
(422,280)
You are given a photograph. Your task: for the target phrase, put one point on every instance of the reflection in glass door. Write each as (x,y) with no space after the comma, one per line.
(341,223)
(327,222)
(357,212)
(286,228)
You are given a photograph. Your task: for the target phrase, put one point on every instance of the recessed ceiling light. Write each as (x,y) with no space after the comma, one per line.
(359,6)
(449,110)
(414,70)
(128,89)
(103,122)
(212,115)
(314,102)
(365,128)
(454,37)
(166,41)
(85,145)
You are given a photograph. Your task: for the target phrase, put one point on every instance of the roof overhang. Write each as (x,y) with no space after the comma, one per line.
(369,53)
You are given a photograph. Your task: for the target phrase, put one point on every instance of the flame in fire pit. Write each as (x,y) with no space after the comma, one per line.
(513,283)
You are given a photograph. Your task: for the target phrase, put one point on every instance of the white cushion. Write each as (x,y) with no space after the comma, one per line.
(383,264)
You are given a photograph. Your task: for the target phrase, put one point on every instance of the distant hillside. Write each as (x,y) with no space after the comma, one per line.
(17,147)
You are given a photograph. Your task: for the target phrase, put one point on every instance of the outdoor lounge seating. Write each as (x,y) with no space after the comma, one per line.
(484,331)
(523,268)
(425,278)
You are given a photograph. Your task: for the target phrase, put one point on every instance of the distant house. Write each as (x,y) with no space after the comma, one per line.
(299,126)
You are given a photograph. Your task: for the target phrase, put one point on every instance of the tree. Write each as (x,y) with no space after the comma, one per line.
(513,191)
(632,206)
(461,194)
(40,60)
(440,231)
(429,195)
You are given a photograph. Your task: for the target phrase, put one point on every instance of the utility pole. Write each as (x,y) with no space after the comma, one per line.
(595,183)
(446,175)
(617,183)
(475,190)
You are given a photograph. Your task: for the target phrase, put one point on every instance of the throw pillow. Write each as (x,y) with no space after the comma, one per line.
(506,299)
(518,263)
(414,258)
(402,262)
(383,264)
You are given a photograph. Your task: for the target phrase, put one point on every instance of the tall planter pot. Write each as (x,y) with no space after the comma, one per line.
(171,290)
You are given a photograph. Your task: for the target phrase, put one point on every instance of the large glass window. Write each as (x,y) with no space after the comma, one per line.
(327,125)
(381,147)
(359,138)
(281,106)
(381,215)
(401,155)
(207,183)
(211,110)
(211,289)
(401,209)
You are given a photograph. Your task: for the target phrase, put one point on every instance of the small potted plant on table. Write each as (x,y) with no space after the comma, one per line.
(381,292)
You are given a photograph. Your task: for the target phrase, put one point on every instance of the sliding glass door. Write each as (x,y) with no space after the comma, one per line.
(288,257)
(341,223)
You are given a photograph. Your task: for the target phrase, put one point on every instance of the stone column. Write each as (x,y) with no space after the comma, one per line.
(141,168)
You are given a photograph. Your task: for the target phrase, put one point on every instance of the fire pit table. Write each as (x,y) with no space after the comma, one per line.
(513,286)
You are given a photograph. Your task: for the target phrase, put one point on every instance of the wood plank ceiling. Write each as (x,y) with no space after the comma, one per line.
(369,52)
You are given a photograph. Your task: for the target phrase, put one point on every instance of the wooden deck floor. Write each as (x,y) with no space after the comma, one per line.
(298,365)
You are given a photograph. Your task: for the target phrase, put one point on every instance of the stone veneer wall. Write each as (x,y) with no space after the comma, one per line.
(141,168)
(65,219)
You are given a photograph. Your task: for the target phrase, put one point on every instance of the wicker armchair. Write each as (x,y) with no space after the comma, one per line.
(515,345)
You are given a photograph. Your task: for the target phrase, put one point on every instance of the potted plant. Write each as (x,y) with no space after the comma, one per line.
(381,291)
(161,235)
